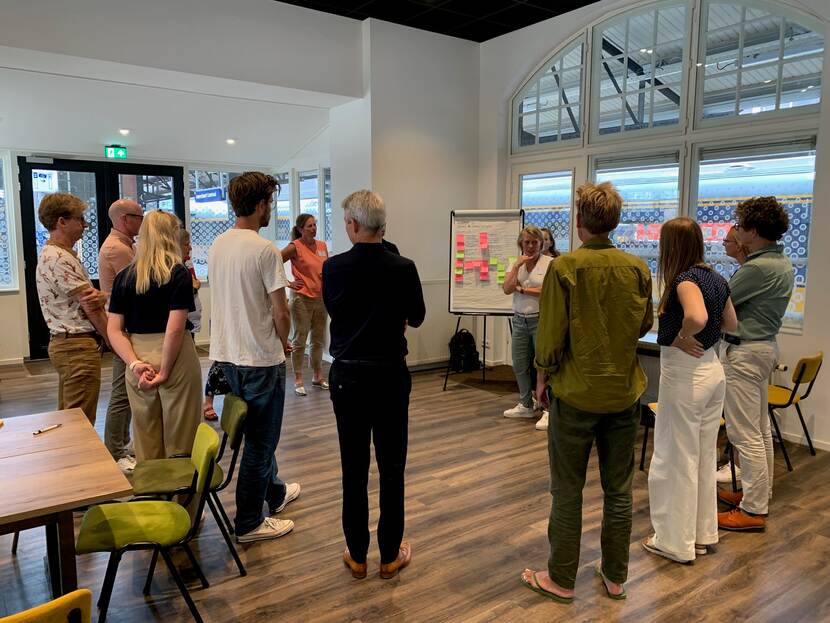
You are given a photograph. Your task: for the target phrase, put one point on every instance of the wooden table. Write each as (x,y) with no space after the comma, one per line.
(43,477)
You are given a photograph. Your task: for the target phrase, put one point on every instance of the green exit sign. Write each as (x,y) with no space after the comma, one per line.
(115,152)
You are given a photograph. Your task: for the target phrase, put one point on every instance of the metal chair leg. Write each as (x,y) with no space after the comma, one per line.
(16,538)
(150,571)
(804,427)
(195,565)
(182,588)
(109,582)
(732,467)
(643,450)
(220,506)
(227,538)
(780,439)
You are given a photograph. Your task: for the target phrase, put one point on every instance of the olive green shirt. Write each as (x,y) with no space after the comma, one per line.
(594,307)
(761,291)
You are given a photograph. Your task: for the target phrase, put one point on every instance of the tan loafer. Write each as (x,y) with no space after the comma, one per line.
(358,569)
(404,558)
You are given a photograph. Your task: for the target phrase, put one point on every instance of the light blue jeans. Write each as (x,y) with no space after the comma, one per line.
(524,353)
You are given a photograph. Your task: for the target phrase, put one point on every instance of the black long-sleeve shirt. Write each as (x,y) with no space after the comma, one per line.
(371,296)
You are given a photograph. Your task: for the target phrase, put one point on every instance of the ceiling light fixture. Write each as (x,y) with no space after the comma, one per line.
(230,141)
(124,131)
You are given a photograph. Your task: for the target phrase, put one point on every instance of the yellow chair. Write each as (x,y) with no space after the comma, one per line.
(805,372)
(74,607)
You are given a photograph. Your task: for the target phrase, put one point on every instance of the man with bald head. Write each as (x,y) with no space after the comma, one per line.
(116,254)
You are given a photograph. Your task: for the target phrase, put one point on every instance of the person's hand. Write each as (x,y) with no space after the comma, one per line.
(287,348)
(541,389)
(523,259)
(150,380)
(93,300)
(689,345)
(196,283)
(295,285)
(143,369)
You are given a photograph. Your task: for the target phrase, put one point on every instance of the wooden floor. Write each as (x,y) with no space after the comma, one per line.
(477,507)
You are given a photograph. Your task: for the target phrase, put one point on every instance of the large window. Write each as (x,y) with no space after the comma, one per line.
(754,61)
(210,213)
(309,193)
(546,199)
(8,266)
(638,70)
(548,109)
(728,177)
(283,211)
(327,204)
(649,188)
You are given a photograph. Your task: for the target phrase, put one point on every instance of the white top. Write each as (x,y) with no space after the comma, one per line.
(244,268)
(59,277)
(524,303)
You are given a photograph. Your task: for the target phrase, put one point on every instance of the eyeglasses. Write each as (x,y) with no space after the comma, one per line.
(141,216)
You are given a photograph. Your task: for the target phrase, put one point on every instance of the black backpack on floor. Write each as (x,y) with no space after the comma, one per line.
(463,354)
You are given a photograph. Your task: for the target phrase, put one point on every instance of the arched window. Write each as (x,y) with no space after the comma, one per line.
(547,110)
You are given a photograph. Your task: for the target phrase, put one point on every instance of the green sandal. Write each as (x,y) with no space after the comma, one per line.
(538,589)
(605,580)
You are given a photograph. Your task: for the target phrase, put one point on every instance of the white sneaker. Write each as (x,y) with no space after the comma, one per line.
(519,411)
(126,464)
(542,424)
(300,390)
(724,474)
(270,528)
(292,492)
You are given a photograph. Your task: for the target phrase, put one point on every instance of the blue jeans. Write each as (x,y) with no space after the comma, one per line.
(263,390)
(524,353)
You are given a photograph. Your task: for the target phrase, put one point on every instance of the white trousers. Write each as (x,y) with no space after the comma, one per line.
(681,479)
(747,367)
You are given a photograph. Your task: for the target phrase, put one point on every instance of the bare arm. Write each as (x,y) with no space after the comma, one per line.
(123,347)
(511,281)
(282,317)
(289,252)
(695,318)
(92,303)
(730,318)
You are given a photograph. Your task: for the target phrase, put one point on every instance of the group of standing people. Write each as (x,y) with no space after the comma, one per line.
(718,348)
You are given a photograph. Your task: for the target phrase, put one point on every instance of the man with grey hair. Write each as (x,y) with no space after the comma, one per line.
(371,295)
(115,255)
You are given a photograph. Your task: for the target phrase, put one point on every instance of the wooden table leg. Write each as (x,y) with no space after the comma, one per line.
(53,559)
(66,537)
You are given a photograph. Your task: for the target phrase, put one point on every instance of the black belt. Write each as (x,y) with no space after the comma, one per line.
(732,339)
(66,334)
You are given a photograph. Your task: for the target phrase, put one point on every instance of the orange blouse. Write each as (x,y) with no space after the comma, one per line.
(307,267)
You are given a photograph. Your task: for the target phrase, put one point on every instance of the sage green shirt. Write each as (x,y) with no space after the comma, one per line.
(594,307)
(761,291)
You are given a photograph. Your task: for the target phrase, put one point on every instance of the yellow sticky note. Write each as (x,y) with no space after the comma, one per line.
(493,261)
(459,255)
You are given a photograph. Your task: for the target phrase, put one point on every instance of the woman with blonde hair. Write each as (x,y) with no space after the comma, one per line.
(148,328)
(695,308)
(308,313)
(524,281)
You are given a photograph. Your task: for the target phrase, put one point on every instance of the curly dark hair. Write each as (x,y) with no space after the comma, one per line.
(765,215)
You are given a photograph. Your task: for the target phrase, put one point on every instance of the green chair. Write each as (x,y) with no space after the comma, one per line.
(168,477)
(156,525)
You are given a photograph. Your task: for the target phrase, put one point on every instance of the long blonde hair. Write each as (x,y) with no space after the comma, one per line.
(681,247)
(158,250)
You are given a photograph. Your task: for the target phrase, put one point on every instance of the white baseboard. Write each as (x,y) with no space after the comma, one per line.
(14,361)
(800,439)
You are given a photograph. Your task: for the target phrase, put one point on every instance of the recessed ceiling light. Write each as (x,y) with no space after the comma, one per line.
(643,50)
(230,141)
(124,131)
(700,64)
(767,81)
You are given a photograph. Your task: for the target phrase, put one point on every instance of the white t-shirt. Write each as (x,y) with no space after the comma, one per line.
(525,303)
(243,269)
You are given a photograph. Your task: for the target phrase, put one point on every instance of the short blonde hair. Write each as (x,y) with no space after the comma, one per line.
(599,207)
(367,208)
(533,232)
(53,207)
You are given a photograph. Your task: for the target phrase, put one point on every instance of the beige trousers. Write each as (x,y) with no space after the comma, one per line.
(308,315)
(77,361)
(165,418)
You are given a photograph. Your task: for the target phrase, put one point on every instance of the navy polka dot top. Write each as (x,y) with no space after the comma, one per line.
(715,290)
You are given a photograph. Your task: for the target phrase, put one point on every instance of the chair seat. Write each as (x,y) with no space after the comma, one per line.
(653,407)
(110,527)
(163,476)
(779,396)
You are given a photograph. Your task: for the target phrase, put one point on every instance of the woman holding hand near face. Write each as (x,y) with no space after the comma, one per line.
(524,281)
(148,328)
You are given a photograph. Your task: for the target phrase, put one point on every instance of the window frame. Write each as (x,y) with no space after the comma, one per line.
(11,192)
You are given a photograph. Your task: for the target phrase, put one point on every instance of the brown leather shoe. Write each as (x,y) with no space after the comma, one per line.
(738,520)
(733,498)
(358,569)
(403,559)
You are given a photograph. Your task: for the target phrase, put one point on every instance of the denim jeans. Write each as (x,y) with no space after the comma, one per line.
(263,390)
(524,353)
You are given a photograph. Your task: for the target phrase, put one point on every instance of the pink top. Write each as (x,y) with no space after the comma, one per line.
(307,267)
(116,254)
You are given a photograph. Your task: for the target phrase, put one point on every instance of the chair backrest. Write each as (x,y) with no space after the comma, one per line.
(74,607)
(234,412)
(205,449)
(806,370)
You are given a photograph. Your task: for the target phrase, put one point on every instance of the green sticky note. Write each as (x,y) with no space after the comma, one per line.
(493,261)
(459,271)
(459,255)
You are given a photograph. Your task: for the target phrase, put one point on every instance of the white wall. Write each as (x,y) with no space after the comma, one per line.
(507,61)
(259,41)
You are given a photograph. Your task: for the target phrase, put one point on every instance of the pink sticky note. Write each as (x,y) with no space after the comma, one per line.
(483,236)
(459,278)
(459,238)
